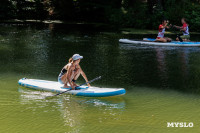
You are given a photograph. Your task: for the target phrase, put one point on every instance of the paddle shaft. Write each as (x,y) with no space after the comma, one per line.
(77,86)
(180,39)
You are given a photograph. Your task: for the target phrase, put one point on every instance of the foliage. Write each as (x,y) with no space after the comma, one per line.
(120,13)
(193,17)
(22,9)
(129,16)
(154,11)
(7,9)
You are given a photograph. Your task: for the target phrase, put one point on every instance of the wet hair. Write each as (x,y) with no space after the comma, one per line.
(185,19)
(70,60)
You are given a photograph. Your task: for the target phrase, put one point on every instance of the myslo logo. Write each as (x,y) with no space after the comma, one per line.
(180,124)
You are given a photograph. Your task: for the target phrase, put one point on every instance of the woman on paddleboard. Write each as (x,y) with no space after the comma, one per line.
(70,72)
(161,32)
(184,29)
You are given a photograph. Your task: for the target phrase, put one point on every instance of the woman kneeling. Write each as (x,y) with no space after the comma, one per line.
(71,71)
(161,29)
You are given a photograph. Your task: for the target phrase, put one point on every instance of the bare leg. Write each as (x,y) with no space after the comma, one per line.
(76,75)
(168,39)
(65,81)
(161,40)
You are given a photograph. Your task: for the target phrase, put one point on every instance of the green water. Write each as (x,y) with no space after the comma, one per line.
(162,83)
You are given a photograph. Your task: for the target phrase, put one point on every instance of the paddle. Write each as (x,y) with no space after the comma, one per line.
(97,78)
(180,39)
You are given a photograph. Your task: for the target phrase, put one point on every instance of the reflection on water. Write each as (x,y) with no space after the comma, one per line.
(74,110)
(160,56)
(115,102)
(29,95)
(163,66)
(77,110)
(166,67)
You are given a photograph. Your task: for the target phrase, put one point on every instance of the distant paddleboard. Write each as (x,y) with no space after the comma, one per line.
(86,91)
(150,41)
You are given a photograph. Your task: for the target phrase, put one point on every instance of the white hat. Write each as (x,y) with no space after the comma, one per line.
(76,57)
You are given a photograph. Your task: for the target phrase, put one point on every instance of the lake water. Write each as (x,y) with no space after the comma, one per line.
(162,83)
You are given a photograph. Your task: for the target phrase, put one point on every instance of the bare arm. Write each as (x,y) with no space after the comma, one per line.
(84,76)
(69,72)
(183,29)
(165,27)
(178,27)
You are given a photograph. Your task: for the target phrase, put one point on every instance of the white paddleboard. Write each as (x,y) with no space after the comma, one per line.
(53,86)
(148,41)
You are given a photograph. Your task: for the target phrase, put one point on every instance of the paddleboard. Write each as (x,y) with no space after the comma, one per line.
(150,41)
(45,85)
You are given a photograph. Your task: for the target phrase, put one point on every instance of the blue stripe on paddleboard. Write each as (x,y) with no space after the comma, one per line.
(103,94)
(175,42)
(151,39)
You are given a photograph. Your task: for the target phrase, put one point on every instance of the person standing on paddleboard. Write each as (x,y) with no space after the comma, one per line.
(161,32)
(184,29)
(70,72)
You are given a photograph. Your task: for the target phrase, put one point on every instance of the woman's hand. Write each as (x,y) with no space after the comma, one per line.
(84,76)
(89,85)
(178,27)
(73,87)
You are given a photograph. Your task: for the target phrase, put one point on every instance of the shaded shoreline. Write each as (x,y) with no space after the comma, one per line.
(127,31)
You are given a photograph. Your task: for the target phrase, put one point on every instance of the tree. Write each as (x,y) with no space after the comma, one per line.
(7,10)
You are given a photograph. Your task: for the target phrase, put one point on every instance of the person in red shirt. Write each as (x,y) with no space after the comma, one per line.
(184,29)
(161,32)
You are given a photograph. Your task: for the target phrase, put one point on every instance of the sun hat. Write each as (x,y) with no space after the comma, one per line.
(76,57)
